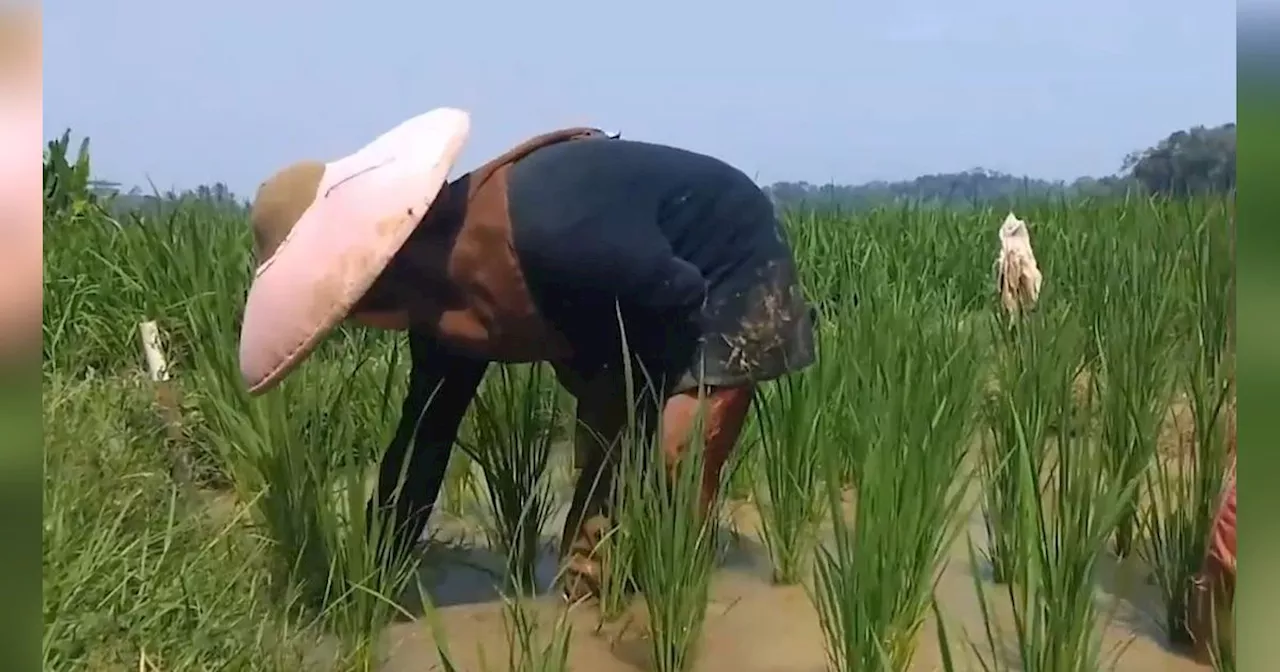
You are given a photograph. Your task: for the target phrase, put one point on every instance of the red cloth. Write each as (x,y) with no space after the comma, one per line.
(1222,542)
(1213,591)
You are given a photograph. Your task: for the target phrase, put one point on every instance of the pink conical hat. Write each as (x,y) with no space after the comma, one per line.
(323,232)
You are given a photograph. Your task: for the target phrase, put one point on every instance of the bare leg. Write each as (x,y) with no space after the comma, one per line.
(724,411)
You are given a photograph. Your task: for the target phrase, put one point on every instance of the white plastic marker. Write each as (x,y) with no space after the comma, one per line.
(167,399)
(157,365)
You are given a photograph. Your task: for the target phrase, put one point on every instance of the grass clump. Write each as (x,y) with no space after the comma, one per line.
(135,568)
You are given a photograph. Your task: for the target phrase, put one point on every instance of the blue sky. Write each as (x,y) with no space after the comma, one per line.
(187,93)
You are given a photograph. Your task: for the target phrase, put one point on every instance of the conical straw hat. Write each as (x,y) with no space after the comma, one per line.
(323,232)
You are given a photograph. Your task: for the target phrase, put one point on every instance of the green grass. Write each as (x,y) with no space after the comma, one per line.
(861,468)
(136,568)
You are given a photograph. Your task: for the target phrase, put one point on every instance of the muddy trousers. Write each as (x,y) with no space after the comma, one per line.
(602,417)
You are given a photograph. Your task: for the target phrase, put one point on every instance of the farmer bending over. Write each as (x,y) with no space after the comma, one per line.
(534,256)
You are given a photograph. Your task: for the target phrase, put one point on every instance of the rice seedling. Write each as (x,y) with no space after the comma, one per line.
(673,550)
(1221,644)
(1182,490)
(1134,340)
(1020,411)
(514,423)
(531,646)
(1063,531)
(793,425)
(873,587)
(617,554)
(672,544)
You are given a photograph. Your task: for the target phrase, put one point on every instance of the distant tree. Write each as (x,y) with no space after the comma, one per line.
(1192,161)
(973,187)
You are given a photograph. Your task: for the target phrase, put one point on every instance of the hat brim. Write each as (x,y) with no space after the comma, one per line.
(366,206)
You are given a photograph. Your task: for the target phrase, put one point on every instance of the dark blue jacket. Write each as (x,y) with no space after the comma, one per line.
(661,230)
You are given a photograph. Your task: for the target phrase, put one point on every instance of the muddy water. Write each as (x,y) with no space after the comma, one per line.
(751,625)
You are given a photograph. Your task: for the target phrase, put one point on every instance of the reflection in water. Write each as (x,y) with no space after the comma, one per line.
(458,568)
(455,575)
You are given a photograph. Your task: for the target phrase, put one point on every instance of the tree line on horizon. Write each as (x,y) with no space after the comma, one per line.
(1196,160)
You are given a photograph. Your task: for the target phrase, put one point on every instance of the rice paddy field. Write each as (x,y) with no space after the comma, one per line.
(948,488)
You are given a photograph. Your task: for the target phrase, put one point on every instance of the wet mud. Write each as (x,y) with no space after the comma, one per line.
(752,625)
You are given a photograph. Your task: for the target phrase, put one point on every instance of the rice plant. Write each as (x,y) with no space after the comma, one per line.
(673,541)
(1221,645)
(532,644)
(674,551)
(1134,340)
(514,423)
(874,585)
(617,554)
(1062,534)
(1182,490)
(1021,411)
(793,424)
